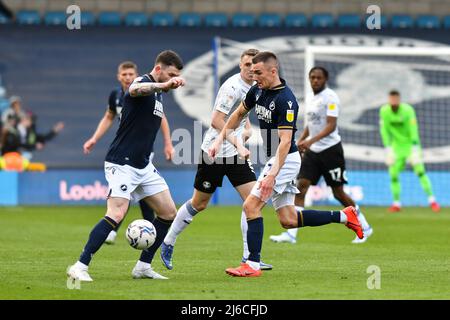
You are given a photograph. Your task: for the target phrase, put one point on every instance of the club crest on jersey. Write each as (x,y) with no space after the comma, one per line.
(272,106)
(290,115)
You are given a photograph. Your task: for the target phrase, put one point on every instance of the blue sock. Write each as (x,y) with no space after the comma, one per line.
(162,227)
(97,236)
(147,212)
(255,233)
(314,218)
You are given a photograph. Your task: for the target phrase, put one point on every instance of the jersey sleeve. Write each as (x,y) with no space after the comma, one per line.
(226,99)
(112,102)
(333,105)
(413,127)
(287,110)
(384,130)
(250,98)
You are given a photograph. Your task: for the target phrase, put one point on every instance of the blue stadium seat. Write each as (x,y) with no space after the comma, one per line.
(428,22)
(4,20)
(87,18)
(446,22)
(189,19)
(243,20)
(55,18)
(402,21)
(295,20)
(216,19)
(349,21)
(109,18)
(136,19)
(269,20)
(322,20)
(28,17)
(163,19)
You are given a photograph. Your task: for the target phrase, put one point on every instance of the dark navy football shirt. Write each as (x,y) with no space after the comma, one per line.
(140,122)
(276,108)
(115,101)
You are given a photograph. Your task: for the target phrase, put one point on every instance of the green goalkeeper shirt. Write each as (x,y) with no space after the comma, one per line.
(399,129)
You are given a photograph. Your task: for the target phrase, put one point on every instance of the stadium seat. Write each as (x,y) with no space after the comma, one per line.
(269,20)
(136,19)
(216,19)
(55,18)
(189,19)
(402,21)
(28,17)
(295,20)
(243,20)
(428,22)
(163,19)
(87,18)
(322,20)
(110,18)
(446,22)
(349,21)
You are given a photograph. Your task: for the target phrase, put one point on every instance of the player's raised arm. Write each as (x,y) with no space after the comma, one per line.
(138,89)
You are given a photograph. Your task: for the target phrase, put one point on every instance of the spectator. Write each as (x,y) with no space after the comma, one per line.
(15,110)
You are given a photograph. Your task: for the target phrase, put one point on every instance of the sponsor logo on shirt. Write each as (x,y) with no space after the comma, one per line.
(263,113)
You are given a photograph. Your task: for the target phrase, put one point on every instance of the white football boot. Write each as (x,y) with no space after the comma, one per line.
(146,273)
(284,237)
(79,273)
(111,237)
(367,233)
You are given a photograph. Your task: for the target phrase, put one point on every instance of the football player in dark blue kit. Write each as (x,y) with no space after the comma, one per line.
(276,108)
(126,73)
(128,167)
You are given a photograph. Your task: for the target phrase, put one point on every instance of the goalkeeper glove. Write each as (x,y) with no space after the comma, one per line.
(415,156)
(390,157)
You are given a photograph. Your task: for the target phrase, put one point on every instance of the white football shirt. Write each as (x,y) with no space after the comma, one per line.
(229,97)
(317,108)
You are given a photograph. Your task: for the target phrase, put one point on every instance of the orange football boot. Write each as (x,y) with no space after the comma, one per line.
(244,270)
(353,222)
(435,206)
(394,208)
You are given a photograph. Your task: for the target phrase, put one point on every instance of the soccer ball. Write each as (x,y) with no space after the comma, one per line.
(141,234)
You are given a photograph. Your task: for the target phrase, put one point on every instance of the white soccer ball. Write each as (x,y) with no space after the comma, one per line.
(141,234)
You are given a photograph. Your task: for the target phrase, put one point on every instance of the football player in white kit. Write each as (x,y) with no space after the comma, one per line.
(323,152)
(231,160)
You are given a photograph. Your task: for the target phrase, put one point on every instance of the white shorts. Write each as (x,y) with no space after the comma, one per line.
(133,184)
(284,190)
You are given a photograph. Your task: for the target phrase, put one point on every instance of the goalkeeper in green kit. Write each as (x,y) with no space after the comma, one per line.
(400,135)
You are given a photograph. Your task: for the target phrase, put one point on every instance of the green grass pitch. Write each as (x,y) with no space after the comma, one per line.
(411,249)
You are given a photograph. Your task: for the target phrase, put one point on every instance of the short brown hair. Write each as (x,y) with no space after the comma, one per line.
(169,58)
(127,65)
(394,92)
(264,56)
(250,52)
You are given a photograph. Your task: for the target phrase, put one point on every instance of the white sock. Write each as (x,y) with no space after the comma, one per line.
(397,203)
(365,225)
(244,228)
(81,265)
(184,217)
(254,265)
(431,199)
(343,217)
(143,265)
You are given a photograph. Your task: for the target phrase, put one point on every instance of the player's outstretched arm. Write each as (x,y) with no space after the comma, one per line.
(138,89)
(103,126)
(233,122)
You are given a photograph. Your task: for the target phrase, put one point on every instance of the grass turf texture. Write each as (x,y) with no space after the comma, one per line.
(411,248)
